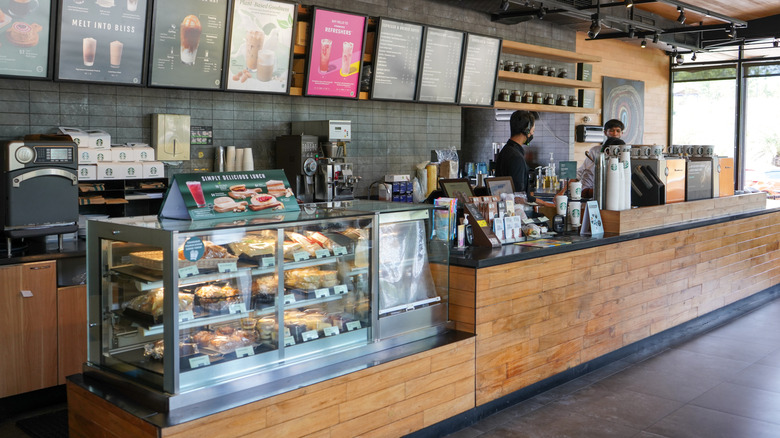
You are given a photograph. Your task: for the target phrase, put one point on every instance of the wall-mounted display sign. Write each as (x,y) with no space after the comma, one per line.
(261,37)
(229,194)
(188,43)
(397,60)
(335,54)
(24,43)
(102,41)
(440,70)
(480,71)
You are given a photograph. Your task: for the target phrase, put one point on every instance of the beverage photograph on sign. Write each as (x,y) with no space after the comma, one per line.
(335,54)
(261,42)
(25,50)
(102,41)
(188,43)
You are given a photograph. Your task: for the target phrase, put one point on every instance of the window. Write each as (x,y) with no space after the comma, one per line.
(762,131)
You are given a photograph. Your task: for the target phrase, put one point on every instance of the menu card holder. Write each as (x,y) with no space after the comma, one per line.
(591,224)
(483,235)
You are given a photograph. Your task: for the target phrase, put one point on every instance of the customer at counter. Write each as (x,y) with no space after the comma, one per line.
(612,129)
(511,160)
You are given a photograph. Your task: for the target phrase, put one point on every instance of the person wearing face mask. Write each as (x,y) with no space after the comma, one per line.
(511,160)
(612,129)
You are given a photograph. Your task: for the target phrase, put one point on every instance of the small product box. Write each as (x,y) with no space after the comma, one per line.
(87,172)
(143,153)
(396,178)
(122,154)
(153,169)
(80,137)
(111,170)
(133,170)
(87,156)
(99,139)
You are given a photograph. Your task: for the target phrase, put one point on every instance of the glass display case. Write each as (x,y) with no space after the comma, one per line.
(251,303)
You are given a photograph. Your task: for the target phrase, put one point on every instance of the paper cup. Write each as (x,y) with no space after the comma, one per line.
(575,190)
(561,201)
(574,213)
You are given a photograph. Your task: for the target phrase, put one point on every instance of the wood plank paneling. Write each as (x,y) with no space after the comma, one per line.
(640,288)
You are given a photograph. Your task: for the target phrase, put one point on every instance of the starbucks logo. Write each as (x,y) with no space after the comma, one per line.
(153,171)
(131,171)
(109,171)
(99,142)
(84,172)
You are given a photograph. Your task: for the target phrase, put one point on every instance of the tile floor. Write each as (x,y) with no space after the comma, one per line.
(724,383)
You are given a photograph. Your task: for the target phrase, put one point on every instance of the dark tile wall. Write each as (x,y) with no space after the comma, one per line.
(387,137)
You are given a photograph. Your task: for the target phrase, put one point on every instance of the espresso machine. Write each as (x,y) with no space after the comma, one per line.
(334,179)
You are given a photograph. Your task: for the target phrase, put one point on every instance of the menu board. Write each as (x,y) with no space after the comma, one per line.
(397,60)
(24,42)
(188,41)
(335,54)
(102,41)
(480,71)
(261,38)
(442,53)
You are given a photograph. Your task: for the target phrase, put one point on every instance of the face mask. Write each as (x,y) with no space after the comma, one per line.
(528,140)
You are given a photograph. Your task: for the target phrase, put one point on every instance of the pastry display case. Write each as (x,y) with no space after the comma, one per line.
(184,312)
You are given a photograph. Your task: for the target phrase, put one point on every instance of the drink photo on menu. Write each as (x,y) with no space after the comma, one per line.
(261,46)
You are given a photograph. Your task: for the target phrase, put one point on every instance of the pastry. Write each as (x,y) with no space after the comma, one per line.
(210,251)
(310,278)
(23,34)
(254,245)
(152,303)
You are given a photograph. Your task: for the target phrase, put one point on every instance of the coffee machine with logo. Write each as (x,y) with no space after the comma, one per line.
(334,179)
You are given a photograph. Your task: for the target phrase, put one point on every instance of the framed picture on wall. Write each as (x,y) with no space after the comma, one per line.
(187,43)
(624,100)
(261,46)
(102,41)
(25,51)
(335,54)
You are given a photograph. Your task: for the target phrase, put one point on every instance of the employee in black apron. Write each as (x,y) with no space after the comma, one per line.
(511,160)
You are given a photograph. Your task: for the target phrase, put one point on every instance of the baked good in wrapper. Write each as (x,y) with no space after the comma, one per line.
(255,245)
(217,299)
(151,303)
(225,343)
(310,278)
(211,251)
(156,350)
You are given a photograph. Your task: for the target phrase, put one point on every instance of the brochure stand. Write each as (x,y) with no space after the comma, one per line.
(591,223)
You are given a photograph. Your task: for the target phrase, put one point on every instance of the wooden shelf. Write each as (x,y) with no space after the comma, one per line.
(522,49)
(543,108)
(527,78)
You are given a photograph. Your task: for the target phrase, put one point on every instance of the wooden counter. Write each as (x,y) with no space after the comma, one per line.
(539,317)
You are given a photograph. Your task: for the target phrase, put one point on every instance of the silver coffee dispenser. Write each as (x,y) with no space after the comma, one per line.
(334,179)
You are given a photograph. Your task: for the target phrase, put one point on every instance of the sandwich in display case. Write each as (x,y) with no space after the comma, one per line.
(184,312)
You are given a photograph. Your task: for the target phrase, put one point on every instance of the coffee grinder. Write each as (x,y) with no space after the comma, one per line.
(297,155)
(334,179)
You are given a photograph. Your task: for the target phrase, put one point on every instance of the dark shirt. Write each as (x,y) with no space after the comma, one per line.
(511,162)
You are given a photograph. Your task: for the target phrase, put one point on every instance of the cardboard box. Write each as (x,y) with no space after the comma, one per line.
(122,154)
(78,136)
(302,33)
(133,170)
(102,155)
(153,169)
(87,156)
(87,172)
(110,170)
(99,139)
(143,153)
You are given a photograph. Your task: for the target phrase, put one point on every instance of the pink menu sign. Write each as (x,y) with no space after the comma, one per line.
(335,54)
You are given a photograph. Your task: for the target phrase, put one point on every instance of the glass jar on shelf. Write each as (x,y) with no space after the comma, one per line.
(538,98)
(517,96)
(561,101)
(509,66)
(549,99)
(503,95)
(542,70)
(529,68)
(573,101)
(528,97)
(518,67)
(563,74)
(551,72)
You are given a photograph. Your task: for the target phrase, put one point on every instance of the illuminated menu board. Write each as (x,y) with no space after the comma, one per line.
(335,54)
(397,60)
(261,37)
(102,41)
(24,46)
(440,71)
(188,40)
(480,71)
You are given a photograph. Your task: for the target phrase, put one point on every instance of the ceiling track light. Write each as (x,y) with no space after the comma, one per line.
(693,57)
(731,31)
(629,3)
(643,44)
(655,38)
(595,27)
(541,12)
(504,5)
(681,17)
(631,32)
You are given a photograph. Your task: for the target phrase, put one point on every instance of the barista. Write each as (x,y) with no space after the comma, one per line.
(612,129)
(511,160)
